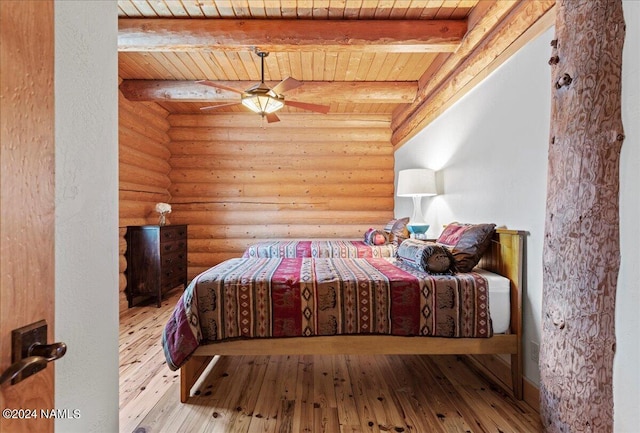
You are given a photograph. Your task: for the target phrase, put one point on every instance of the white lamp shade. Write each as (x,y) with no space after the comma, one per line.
(416,182)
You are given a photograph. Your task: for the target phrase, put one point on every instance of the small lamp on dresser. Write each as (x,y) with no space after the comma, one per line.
(417,183)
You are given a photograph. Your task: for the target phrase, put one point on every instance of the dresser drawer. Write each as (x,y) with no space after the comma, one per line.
(173,233)
(173,276)
(169,260)
(173,247)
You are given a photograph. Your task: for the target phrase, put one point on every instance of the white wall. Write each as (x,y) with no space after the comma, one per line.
(626,377)
(491,150)
(86,253)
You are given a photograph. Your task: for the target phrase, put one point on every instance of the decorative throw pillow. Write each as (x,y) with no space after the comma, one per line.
(375,237)
(427,256)
(467,243)
(397,230)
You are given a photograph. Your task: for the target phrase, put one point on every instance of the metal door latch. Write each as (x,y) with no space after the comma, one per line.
(30,352)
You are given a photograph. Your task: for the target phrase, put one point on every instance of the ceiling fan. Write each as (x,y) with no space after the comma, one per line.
(265,101)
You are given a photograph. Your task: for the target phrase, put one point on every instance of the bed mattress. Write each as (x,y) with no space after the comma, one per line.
(499,300)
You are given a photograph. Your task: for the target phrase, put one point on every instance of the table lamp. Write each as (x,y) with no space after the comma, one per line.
(416,183)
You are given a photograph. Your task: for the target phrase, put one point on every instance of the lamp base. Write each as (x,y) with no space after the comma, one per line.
(417,229)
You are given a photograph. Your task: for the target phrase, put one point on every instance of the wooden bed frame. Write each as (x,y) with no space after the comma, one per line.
(504,257)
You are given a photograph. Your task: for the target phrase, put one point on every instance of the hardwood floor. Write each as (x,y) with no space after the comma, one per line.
(333,394)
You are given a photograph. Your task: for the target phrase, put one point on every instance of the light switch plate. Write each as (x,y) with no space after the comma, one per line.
(22,340)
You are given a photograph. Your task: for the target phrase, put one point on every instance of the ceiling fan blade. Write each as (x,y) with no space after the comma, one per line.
(218,86)
(271,117)
(324,109)
(286,85)
(229,104)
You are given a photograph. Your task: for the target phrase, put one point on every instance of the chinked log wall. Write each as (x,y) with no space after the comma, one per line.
(144,168)
(234,182)
(308,176)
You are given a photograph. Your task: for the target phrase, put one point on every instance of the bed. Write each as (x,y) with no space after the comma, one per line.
(472,334)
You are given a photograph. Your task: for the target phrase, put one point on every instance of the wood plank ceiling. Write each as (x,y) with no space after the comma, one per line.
(357,56)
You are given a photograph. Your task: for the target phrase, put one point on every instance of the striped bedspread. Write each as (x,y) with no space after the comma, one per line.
(339,248)
(286,297)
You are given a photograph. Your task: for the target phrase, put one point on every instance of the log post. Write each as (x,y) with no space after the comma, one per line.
(581,256)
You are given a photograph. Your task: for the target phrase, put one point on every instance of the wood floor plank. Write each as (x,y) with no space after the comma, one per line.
(406,387)
(268,403)
(224,399)
(389,415)
(323,393)
(132,413)
(303,421)
(257,369)
(437,402)
(325,419)
(361,392)
(144,376)
(307,394)
(347,410)
(477,393)
(287,395)
(164,411)
(350,428)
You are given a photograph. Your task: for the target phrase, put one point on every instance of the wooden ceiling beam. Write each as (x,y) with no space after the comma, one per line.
(282,35)
(512,24)
(323,92)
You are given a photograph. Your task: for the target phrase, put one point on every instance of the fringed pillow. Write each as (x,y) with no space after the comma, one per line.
(467,243)
(376,237)
(397,230)
(427,256)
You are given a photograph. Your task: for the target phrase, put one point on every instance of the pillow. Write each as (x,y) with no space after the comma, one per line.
(467,243)
(397,230)
(375,237)
(427,256)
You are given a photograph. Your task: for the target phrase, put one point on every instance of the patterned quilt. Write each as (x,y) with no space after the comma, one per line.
(287,297)
(339,248)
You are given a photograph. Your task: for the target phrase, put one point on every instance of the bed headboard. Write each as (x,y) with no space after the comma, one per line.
(505,256)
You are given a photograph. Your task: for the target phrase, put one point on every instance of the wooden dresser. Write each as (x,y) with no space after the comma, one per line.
(156,261)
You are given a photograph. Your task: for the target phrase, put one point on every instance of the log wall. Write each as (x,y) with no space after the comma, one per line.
(144,168)
(309,176)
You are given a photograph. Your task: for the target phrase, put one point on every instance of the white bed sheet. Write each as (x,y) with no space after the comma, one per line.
(499,300)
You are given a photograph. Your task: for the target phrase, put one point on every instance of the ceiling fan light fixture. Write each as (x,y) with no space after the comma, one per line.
(262,103)
(266,101)
(260,99)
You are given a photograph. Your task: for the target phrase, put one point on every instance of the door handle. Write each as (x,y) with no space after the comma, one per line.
(39,356)
(50,352)
(30,352)
(16,368)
